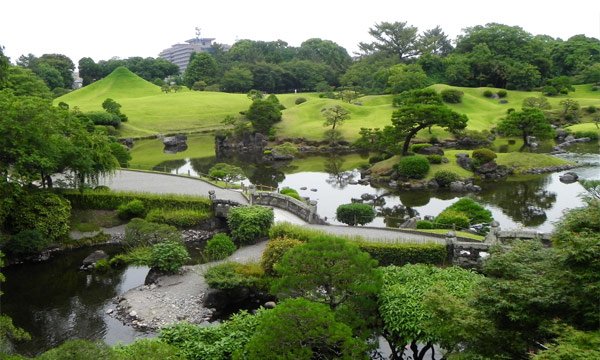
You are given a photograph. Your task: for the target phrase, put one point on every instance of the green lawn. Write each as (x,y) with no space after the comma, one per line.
(150,111)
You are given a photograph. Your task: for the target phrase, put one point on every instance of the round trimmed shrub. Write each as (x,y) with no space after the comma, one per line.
(355,214)
(274,252)
(45,212)
(26,242)
(483,155)
(445,177)
(591,109)
(169,256)
(424,224)
(452,96)
(291,193)
(133,209)
(434,159)
(488,93)
(219,247)
(300,100)
(447,218)
(549,91)
(249,224)
(502,93)
(413,167)
(472,209)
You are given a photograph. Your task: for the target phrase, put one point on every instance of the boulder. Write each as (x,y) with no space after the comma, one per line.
(568,177)
(488,167)
(94,257)
(177,140)
(464,161)
(457,186)
(431,150)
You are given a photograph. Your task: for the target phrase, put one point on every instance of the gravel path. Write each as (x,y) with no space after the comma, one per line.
(177,297)
(126,180)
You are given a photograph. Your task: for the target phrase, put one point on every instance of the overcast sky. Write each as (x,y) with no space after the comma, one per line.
(107,28)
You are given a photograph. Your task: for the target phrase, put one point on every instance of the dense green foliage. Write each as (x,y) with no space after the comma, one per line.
(412,167)
(219,247)
(301,329)
(147,349)
(474,211)
(249,224)
(445,177)
(449,219)
(149,68)
(355,214)
(79,350)
(291,193)
(226,172)
(133,209)
(139,232)
(231,276)
(482,156)
(274,252)
(26,242)
(111,200)
(44,212)
(180,218)
(8,332)
(452,96)
(525,123)
(168,256)
(103,118)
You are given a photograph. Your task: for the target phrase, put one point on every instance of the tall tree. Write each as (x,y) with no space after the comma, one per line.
(406,77)
(435,41)
(325,51)
(526,123)
(4,63)
(203,67)
(397,38)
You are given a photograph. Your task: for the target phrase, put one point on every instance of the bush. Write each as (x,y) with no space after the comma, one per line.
(134,208)
(376,158)
(549,90)
(274,252)
(502,94)
(416,148)
(219,247)
(355,214)
(300,100)
(111,200)
(448,219)
(26,242)
(199,85)
(412,167)
(104,118)
(591,109)
(482,156)
(452,96)
(169,256)
(434,159)
(424,224)
(138,256)
(231,275)
(249,224)
(488,93)
(147,349)
(593,135)
(287,148)
(291,193)
(79,350)
(45,212)
(473,210)
(445,177)
(180,218)
(143,233)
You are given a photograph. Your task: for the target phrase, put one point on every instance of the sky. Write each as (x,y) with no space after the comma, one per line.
(104,29)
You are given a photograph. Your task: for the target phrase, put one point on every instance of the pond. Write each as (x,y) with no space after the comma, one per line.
(527,202)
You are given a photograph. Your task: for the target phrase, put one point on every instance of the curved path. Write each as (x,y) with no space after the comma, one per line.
(127,180)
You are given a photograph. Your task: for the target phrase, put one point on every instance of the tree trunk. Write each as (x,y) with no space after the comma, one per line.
(408,137)
(525,136)
(49,181)
(424,350)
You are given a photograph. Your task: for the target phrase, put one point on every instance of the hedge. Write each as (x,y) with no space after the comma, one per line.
(249,224)
(111,200)
(180,218)
(385,253)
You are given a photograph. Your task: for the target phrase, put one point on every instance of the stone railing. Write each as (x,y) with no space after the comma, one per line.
(306,212)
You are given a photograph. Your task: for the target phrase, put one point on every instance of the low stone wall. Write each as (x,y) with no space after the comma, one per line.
(221,207)
(468,254)
(306,212)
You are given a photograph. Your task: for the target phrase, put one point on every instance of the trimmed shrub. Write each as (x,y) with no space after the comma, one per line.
(549,90)
(424,224)
(589,134)
(591,109)
(434,159)
(143,233)
(482,156)
(355,214)
(169,256)
(232,275)
(274,252)
(416,148)
(502,94)
(26,242)
(488,93)
(249,224)
(103,118)
(147,349)
(45,212)
(300,100)
(219,247)
(180,218)
(111,200)
(134,208)
(291,193)
(452,96)
(472,209)
(412,167)
(445,177)
(449,218)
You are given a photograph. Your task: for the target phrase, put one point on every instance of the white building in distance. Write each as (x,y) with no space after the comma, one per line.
(179,54)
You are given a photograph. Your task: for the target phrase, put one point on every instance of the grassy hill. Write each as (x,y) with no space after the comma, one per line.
(150,111)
